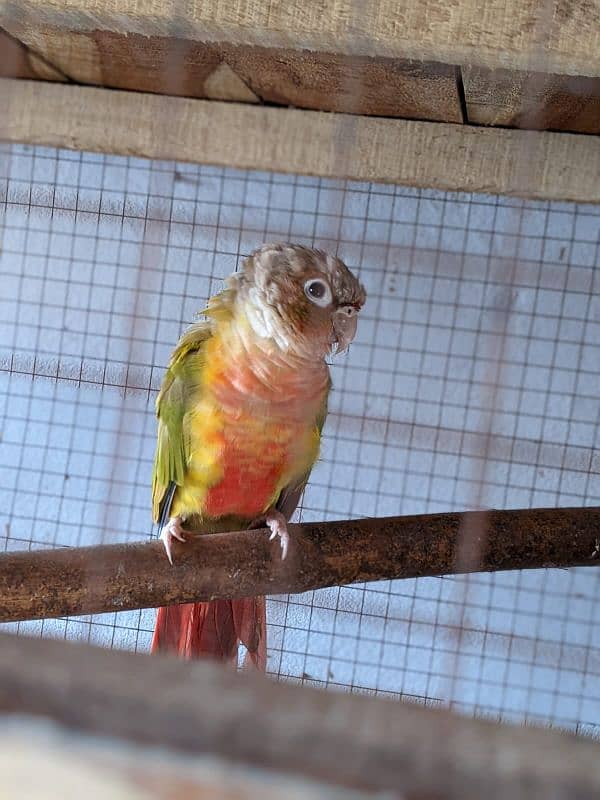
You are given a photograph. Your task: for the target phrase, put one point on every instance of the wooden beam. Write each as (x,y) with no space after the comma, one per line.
(532,100)
(338,59)
(41,760)
(88,580)
(353,84)
(365,743)
(449,157)
(556,37)
(283,76)
(139,63)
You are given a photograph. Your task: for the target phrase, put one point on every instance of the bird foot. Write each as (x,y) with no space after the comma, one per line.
(277,524)
(172,530)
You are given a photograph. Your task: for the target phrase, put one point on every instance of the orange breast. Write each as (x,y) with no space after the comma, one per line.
(255,457)
(251,434)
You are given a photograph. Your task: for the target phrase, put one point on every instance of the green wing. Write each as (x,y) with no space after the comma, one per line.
(178,387)
(290,496)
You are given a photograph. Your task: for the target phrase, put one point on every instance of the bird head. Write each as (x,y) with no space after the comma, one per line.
(304,299)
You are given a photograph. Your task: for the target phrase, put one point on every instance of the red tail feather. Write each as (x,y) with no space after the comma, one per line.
(214,630)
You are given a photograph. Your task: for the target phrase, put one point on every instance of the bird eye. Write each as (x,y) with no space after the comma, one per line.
(318,291)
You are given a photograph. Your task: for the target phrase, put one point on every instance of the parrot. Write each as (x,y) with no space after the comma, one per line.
(240,413)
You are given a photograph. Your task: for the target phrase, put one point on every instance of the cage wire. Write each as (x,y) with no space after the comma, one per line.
(473,382)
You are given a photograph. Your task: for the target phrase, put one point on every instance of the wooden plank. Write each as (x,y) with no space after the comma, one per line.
(322,81)
(365,743)
(88,580)
(532,100)
(557,37)
(40,760)
(16,61)
(548,166)
(352,84)
(148,64)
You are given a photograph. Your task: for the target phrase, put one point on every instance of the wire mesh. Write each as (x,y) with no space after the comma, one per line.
(473,382)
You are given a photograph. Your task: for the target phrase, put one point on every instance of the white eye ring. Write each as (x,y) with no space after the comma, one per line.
(348,311)
(318,292)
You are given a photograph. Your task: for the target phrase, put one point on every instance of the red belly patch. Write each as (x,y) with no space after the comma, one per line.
(242,492)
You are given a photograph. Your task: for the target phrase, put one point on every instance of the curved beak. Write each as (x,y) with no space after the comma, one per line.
(344,330)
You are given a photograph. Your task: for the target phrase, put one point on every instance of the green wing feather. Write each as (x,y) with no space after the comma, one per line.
(179,386)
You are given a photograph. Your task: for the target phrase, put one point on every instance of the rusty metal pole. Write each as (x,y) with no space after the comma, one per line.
(86,580)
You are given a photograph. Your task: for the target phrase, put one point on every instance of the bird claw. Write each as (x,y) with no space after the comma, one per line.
(277,524)
(172,530)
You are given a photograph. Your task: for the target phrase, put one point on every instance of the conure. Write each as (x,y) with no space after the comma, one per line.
(240,414)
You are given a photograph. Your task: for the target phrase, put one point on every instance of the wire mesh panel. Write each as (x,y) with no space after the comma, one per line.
(473,383)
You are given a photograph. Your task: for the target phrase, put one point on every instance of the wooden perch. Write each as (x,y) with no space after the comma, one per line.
(87,580)
(347,740)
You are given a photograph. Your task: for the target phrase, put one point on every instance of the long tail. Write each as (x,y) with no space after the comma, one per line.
(214,630)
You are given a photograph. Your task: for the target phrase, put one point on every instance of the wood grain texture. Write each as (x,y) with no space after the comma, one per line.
(16,61)
(147,64)
(532,100)
(322,81)
(366,743)
(352,84)
(89,580)
(557,36)
(549,166)
(40,760)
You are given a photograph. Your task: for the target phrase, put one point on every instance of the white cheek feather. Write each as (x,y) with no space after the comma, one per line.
(264,321)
